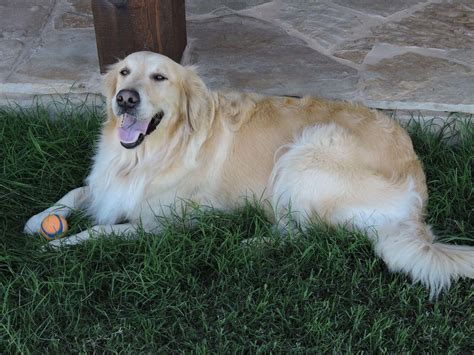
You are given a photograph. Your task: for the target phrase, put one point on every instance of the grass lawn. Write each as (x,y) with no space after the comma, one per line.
(202,290)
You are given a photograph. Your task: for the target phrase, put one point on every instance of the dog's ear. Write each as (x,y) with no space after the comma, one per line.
(109,81)
(109,87)
(198,109)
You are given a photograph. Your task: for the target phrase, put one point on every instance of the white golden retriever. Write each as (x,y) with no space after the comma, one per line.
(167,138)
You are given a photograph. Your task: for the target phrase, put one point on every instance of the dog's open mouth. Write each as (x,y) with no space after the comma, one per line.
(132,131)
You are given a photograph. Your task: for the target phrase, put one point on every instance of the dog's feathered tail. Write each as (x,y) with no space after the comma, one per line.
(410,247)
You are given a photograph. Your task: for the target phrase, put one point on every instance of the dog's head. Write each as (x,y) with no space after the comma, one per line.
(147,91)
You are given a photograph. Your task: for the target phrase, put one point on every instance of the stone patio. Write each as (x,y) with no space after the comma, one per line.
(401,54)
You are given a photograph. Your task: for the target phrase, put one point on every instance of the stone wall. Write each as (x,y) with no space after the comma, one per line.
(400,54)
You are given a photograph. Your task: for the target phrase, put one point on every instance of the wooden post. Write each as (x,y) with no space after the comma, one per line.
(126,26)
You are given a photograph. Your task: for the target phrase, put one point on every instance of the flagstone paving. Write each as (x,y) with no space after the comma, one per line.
(401,54)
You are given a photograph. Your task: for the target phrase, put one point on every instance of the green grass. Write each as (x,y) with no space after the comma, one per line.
(202,290)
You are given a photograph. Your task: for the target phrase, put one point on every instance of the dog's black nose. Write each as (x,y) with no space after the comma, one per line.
(127,98)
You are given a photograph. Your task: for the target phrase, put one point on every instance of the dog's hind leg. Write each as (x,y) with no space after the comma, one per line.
(320,175)
(73,200)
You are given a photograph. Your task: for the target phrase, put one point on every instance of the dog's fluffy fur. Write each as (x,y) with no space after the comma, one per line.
(335,161)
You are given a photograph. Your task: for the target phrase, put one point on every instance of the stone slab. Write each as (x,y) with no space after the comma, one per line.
(242,53)
(411,77)
(445,25)
(466,56)
(356,56)
(378,7)
(72,20)
(81,6)
(194,7)
(65,56)
(14,16)
(438,25)
(10,50)
(74,14)
(325,23)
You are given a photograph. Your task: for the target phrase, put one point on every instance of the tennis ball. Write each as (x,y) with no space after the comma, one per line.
(54,227)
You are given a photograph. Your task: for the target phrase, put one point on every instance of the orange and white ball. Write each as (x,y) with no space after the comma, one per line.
(54,227)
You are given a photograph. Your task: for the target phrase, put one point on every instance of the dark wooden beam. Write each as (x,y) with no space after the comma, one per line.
(126,26)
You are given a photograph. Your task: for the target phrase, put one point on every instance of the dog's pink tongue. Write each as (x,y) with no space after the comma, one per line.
(130,128)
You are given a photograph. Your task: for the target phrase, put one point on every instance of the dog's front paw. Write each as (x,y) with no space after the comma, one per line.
(33,225)
(70,240)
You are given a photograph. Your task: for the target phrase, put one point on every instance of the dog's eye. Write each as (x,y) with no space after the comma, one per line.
(124,72)
(159,77)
